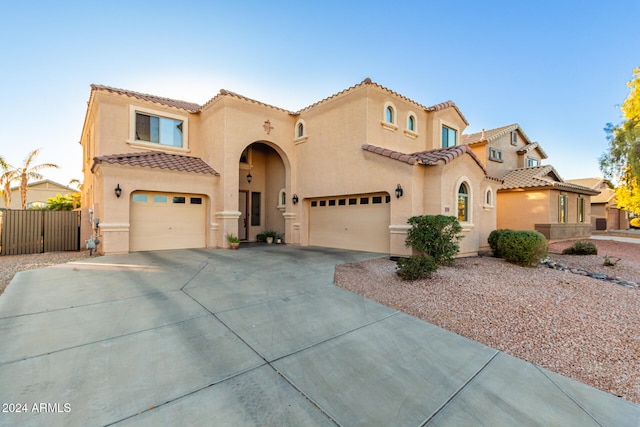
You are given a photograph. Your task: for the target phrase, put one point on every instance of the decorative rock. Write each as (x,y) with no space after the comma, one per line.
(556,265)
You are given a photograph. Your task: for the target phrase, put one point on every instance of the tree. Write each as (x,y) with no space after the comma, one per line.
(30,171)
(622,161)
(68,202)
(7,175)
(628,197)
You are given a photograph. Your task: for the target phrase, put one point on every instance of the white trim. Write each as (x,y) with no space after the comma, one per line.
(133,109)
(228,215)
(393,124)
(444,123)
(116,226)
(399,229)
(468,224)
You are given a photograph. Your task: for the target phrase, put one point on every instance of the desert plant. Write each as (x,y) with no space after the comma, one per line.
(581,248)
(261,237)
(436,236)
(232,239)
(523,247)
(416,267)
(493,239)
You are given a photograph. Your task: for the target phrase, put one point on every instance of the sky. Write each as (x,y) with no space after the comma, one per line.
(557,68)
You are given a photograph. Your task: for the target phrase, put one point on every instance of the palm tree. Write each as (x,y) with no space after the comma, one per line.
(7,175)
(29,171)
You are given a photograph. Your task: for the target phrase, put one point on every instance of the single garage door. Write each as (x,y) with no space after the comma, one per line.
(166,221)
(358,222)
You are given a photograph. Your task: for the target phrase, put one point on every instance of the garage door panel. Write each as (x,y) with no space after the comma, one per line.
(155,226)
(351,226)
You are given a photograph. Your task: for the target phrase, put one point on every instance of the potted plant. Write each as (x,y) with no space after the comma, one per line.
(270,235)
(234,241)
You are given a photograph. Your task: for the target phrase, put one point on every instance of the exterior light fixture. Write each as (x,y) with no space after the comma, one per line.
(295,199)
(249,177)
(399,191)
(118,191)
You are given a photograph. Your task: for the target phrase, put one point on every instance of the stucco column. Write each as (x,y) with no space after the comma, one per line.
(227,223)
(292,233)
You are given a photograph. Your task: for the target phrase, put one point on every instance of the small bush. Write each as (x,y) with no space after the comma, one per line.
(635,223)
(523,247)
(436,236)
(494,236)
(416,267)
(581,248)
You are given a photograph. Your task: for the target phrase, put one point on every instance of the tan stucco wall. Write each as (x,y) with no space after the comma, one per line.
(510,212)
(327,161)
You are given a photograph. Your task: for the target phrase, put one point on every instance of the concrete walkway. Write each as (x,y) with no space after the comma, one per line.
(255,337)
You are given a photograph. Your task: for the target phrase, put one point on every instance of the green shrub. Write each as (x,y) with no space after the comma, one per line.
(523,247)
(436,236)
(494,236)
(635,223)
(581,248)
(416,267)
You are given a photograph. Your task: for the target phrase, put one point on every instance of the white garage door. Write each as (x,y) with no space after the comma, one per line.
(166,221)
(358,222)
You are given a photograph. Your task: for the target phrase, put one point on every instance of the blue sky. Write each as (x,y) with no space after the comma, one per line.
(558,68)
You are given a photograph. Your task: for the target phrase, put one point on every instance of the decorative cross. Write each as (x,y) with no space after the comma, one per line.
(267,126)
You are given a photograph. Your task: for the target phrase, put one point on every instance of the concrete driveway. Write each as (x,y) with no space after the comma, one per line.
(255,337)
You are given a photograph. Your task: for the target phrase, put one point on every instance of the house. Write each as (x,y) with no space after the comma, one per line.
(605,214)
(532,196)
(38,192)
(345,172)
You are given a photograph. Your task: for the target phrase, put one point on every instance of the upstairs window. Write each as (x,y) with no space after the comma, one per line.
(448,137)
(495,154)
(158,130)
(514,138)
(389,114)
(531,162)
(411,123)
(300,130)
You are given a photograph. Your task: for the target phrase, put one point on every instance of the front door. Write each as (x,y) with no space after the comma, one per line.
(243,226)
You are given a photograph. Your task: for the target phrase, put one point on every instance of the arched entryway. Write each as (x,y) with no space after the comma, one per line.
(262,198)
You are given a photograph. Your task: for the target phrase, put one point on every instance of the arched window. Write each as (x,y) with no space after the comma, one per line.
(389,113)
(488,198)
(300,131)
(463,203)
(411,123)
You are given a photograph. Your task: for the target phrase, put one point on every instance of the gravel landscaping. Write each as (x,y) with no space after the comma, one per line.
(578,326)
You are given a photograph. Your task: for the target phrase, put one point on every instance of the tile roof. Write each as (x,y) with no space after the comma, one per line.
(530,147)
(158,159)
(493,134)
(189,106)
(541,177)
(427,158)
(196,108)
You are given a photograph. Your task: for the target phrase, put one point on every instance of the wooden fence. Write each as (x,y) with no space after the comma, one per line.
(31,232)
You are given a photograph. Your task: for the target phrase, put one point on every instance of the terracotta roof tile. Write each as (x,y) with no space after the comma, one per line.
(157,159)
(541,176)
(428,158)
(493,134)
(189,106)
(530,147)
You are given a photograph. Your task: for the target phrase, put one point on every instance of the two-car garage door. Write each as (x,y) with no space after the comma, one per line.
(358,222)
(166,221)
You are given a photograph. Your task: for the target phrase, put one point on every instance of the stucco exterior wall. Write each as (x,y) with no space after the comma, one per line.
(511,215)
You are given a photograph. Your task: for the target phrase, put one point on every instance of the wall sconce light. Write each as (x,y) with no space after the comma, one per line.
(399,191)
(118,191)
(295,199)
(249,177)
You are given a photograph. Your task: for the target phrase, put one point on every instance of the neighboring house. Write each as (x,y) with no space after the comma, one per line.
(37,194)
(532,196)
(345,172)
(605,214)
